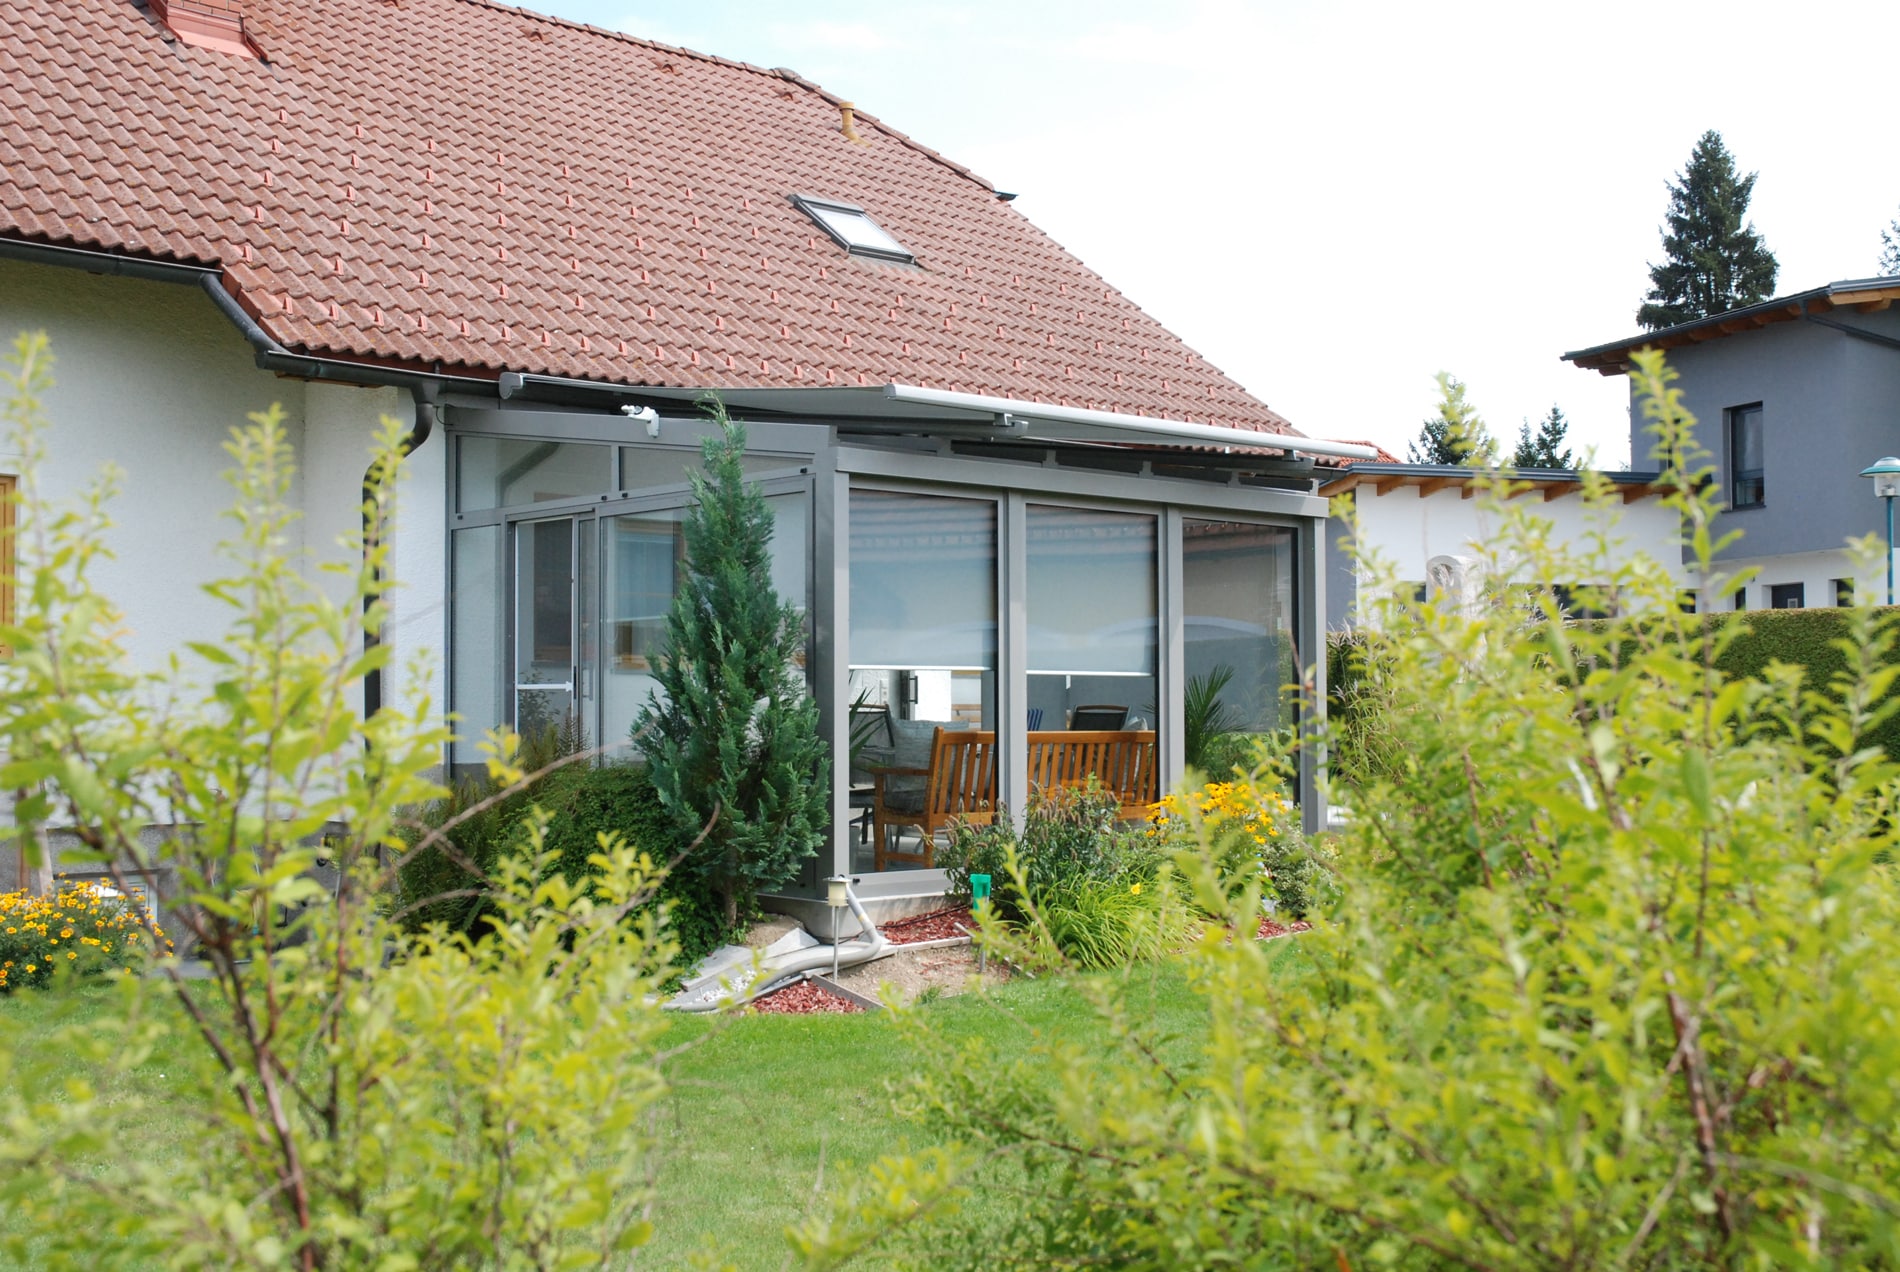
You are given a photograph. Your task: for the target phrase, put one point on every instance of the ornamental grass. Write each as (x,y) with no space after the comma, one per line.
(79,926)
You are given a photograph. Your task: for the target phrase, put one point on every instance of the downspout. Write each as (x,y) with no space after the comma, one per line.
(425,397)
(273,356)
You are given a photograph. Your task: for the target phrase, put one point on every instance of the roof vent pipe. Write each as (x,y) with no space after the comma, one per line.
(850,129)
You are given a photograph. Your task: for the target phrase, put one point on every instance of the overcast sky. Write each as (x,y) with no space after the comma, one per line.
(1334,202)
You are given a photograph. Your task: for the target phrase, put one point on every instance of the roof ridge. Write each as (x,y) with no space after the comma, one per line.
(777,72)
(573,25)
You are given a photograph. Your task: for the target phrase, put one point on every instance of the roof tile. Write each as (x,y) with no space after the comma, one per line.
(510,191)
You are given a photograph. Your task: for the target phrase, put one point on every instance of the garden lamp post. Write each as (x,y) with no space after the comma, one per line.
(1886,475)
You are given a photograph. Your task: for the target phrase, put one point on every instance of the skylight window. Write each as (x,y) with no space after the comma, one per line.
(854,230)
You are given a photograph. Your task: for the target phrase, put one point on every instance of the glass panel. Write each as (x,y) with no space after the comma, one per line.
(544,624)
(645,554)
(1745,457)
(1092,618)
(923,642)
(644,466)
(1237,585)
(506,472)
(477,604)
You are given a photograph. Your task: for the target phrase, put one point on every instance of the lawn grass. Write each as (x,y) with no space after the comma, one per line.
(760,1101)
(763,1099)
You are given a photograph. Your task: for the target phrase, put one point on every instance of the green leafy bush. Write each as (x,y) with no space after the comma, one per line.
(1069,833)
(468,830)
(1615,982)
(1092,883)
(1102,923)
(77,927)
(359,1098)
(583,801)
(1256,833)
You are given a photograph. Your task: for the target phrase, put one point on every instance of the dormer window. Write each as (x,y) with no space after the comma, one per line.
(853,229)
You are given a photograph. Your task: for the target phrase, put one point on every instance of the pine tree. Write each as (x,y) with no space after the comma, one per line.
(732,736)
(1716,260)
(1455,435)
(1544,448)
(1890,249)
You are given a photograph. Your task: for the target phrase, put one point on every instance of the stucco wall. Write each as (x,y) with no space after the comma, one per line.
(151,377)
(1830,406)
(1406,530)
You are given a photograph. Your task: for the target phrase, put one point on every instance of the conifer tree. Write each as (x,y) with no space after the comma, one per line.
(732,735)
(1715,259)
(1890,248)
(1455,435)
(1545,448)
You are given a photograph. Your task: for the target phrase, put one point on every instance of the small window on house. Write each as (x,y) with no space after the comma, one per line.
(853,229)
(1421,593)
(1787,595)
(1740,599)
(1688,600)
(1844,592)
(1746,488)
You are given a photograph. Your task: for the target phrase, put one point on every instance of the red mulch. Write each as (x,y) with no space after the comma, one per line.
(935,926)
(1269,929)
(802,998)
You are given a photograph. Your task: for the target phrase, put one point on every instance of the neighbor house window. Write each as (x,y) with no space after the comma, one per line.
(1740,599)
(1844,592)
(1787,595)
(853,229)
(1745,488)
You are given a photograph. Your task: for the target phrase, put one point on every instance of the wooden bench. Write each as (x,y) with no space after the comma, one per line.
(1124,761)
(960,782)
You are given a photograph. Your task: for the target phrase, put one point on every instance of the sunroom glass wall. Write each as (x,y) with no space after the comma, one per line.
(923,639)
(1092,619)
(1237,582)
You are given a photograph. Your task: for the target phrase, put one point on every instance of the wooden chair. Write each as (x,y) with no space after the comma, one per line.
(1122,760)
(1100,718)
(959,785)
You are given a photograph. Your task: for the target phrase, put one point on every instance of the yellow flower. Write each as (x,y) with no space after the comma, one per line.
(1134,889)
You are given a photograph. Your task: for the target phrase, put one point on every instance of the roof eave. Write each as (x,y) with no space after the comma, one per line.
(1864,294)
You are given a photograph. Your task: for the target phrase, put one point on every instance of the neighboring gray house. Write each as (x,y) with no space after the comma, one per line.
(1794,397)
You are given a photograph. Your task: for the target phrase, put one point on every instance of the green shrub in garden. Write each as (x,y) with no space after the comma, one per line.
(78,927)
(1256,831)
(1069,833)
(1613,980)
(358,1097)
(583,800)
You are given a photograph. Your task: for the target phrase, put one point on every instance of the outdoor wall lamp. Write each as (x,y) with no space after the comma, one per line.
(1886,475)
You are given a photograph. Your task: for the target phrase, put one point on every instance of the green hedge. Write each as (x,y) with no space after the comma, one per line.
(1803,637)
(582,801)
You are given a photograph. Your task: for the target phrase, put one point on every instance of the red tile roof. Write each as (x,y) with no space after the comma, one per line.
(461,183)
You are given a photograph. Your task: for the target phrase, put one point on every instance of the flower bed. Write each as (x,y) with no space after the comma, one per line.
(1269,929)
(78,926)
(804,998)
(937,925)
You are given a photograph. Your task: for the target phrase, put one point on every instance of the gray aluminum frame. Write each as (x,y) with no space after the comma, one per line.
(829,467)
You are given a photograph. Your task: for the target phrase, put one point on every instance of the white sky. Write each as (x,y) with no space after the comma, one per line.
(1333,202)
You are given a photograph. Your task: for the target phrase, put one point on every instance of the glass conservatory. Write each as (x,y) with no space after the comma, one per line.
(1016,593)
